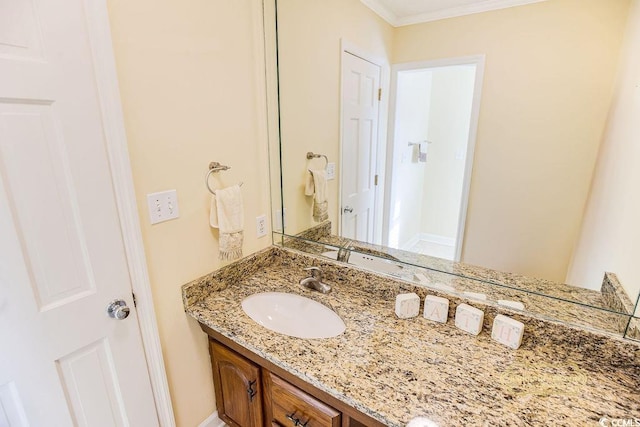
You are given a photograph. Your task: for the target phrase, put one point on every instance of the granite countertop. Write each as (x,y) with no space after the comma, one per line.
(322,234)
(603,310)
(394,370)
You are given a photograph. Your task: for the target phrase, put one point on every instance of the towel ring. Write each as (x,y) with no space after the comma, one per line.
(311,155)
(215,167)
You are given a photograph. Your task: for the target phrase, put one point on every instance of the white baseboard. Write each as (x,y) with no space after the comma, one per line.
(408,245)
(431,238)
(212,421)
(440,240)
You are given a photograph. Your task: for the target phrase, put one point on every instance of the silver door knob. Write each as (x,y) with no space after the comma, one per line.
(117,309)
(347,209)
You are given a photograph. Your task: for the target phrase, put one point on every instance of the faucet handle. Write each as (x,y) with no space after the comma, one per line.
(316,272)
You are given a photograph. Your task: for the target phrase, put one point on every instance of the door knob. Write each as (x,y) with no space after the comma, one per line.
(347,209)
(117,309)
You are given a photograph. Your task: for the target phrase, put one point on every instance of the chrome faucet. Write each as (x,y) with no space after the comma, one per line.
(315,281)
(345,251)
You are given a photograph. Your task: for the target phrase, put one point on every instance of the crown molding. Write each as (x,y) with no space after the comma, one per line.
(482,6)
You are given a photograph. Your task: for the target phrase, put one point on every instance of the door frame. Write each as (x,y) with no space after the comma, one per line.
(120,167)
(349,47)
(478,61)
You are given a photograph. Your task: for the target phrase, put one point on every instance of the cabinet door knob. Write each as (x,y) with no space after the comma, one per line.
(293,419)
(296,421)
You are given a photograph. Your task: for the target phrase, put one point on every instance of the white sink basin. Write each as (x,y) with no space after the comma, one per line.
(368,261)
(293,315)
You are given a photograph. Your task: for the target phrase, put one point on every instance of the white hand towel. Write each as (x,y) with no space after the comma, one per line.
(316,184)
(227,214)
(422,152)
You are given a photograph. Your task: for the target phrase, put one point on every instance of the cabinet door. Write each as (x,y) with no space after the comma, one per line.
(289,406)
(237,387)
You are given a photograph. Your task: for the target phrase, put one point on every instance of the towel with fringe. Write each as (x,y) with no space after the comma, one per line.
(227,214)
(316,186)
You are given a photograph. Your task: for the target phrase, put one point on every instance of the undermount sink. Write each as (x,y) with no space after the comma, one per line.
(293,315)
(368,261)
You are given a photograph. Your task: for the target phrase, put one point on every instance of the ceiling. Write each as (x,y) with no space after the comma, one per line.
(407,12)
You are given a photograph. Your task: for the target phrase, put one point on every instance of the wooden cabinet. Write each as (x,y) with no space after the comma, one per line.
(253,392)
(287,405)
(237,386)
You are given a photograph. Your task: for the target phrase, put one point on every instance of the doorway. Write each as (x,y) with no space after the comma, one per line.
(433,118)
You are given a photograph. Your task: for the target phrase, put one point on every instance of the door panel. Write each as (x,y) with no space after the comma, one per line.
(62,258)
(37,174)
(360,104)
(11,409)
(91,385)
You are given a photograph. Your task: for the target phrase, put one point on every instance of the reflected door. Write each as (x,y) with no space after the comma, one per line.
(360,105)
(63,360)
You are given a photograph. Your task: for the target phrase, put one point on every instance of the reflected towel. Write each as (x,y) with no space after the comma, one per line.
(316,186)
(422,152)
(227,214)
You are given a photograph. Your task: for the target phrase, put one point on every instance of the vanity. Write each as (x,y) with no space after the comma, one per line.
(386,371)
(251,391)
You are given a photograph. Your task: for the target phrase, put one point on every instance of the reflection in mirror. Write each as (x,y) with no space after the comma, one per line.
(496,145)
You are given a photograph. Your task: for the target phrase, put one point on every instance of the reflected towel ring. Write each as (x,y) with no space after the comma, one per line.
(215,167)
(311,155)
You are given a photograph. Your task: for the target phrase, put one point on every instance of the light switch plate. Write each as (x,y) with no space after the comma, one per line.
(163,206)
(331,171)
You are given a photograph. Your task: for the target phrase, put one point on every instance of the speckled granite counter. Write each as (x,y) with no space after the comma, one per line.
(394,370)
(600,310)
(322,234)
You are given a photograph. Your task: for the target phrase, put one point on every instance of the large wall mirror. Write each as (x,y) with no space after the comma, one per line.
(474,145)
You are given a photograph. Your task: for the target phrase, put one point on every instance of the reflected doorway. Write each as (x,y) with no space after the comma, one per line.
(432,126)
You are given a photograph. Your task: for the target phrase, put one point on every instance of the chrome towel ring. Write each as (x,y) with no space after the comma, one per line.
(312,155)
(215,167)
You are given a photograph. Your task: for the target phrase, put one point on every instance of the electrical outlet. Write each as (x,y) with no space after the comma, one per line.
(331,171)
(261,225)
(163,206)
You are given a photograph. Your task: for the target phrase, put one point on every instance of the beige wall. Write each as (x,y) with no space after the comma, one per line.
(547,87)
(310,89)
(610,238)
(191,94)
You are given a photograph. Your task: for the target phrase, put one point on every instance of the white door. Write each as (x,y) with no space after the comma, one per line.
(360,104)
(63,361)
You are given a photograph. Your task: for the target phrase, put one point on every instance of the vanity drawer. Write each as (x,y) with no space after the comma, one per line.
(289,406)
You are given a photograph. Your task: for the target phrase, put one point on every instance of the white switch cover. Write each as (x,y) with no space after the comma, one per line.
(331,171)
(507,331)
(407,305)
(436,308)
(261,225)
(475,295)
(516,305)
(163,206)
(469,319)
